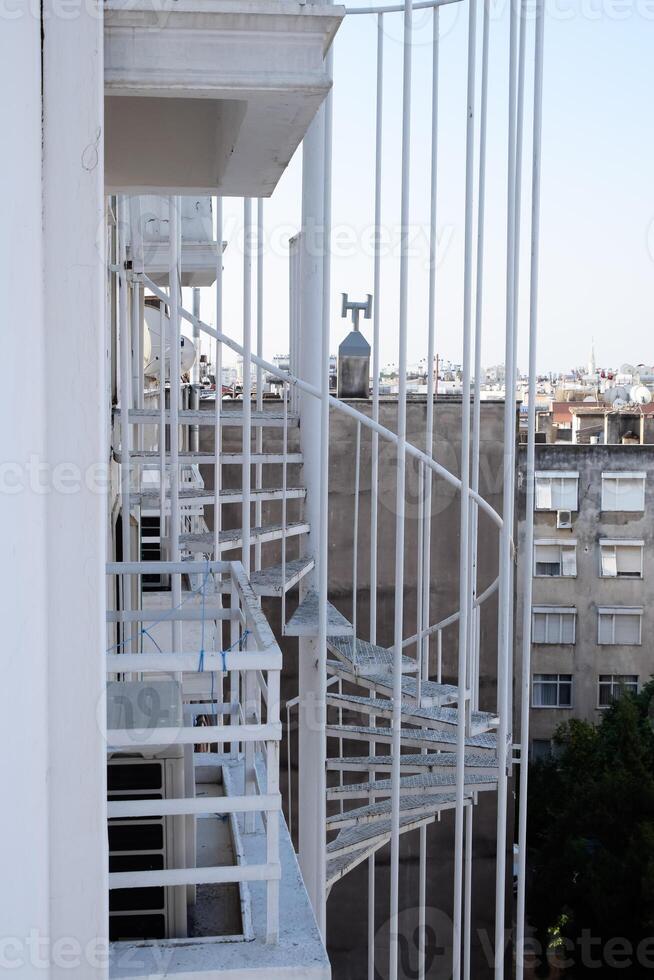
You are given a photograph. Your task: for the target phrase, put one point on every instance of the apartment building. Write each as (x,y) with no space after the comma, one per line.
(593,568)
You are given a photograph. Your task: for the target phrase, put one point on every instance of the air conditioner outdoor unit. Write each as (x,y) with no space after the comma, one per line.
(149,843)
(564,519)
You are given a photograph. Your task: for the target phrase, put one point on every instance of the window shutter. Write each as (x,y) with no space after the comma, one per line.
(609,561)
(547,553)
(630,494)
(538,628)
(543,494)
(605,628)
(609,493)
(629,559)
(567,495)
(627,629)
(567,628)
(569,562)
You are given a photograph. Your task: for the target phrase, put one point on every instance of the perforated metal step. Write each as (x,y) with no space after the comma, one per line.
(304,621)
(475,763)
(412,737)
(414,805)
(230,540)
(207,458)
(412,785)
(480,721)
(274,580)
(228,416)
(354,838)
(365,658)
(150,498)
(431,693)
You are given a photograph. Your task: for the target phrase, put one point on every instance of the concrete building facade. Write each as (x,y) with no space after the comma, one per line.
(593,565)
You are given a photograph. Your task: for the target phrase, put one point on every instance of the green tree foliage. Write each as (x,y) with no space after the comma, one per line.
(591,840)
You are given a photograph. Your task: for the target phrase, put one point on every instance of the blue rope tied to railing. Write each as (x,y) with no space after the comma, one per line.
(201,591)
(164,619)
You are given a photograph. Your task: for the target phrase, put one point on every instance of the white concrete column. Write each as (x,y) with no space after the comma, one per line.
(311,761)
(24,906)
(74,277)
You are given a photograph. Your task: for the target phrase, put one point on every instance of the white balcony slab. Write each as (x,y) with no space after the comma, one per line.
(299,955)
(211,96)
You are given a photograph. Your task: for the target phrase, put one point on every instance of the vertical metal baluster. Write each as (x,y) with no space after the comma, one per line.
(531,464)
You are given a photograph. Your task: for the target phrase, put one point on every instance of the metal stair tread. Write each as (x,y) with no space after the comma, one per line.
(367,657)
(380,810)
(203,540)
(268,581)
(228,416)
(353,838)
(411,736)
(226,496)
(338,867)
(418,761)
(479,720)
(304,621)
(432,694)
(412,783)
(200,456)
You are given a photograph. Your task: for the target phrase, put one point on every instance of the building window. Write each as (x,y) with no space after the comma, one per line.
(613,686)
(541,750)
(555,559)
(556,490)
(553,624)
(623,491)
(552,691)
(619,626)
(621,559)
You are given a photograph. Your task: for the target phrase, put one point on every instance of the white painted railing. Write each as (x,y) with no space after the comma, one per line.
(251,664)
(294,387)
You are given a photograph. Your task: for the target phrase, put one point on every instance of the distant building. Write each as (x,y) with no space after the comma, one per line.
(593,568)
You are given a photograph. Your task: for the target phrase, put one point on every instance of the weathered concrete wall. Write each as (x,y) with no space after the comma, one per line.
(588,591)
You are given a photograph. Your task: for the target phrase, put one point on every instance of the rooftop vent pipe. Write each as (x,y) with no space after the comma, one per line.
(354,352)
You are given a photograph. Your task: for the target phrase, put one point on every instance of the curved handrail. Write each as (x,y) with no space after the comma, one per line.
(399,7)
(453,617)
(341,406)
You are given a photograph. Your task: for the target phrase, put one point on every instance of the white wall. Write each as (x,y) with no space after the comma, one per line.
(23,691)
(74,313)
(53,916)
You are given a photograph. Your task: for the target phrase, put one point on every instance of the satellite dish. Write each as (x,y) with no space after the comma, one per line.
(622,393)
(609,395)
(187,352)
(641,395)
(619,403)
(628,369)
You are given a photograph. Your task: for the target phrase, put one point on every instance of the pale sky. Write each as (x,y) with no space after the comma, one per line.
(597,242)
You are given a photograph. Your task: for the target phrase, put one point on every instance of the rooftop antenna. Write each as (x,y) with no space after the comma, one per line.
(356,308)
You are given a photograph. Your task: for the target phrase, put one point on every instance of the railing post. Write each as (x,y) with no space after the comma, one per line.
(311,756)
(272,823)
